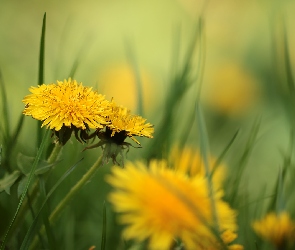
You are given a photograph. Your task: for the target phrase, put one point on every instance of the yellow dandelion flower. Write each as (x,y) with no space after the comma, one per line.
(119,81)
(121,124)
(160,204)
(67,106)
(122,121)
(278,229)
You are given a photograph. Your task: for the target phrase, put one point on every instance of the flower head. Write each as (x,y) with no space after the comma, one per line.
(121,124)
(161,204)
(129,125)
(67,106)
(278,229)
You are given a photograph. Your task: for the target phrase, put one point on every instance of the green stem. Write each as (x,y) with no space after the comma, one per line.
(65,201)
(35,188)
(55,153)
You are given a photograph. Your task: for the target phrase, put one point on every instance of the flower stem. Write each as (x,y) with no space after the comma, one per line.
(55,153)
(65,201)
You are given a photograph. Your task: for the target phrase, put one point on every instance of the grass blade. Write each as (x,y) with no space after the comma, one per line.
(41,70)
(12,141)
(224,152)
(204,150)
(45,215)
(4,116)
(33,229)
(132,59)
(244,159)
(82,53)
(39,153)
(104,228)
(180,83)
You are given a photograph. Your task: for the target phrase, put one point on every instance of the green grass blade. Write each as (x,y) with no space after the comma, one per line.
(41,70)
(39,153)
(187,129)
(33,216)
(104,228)
(205,151)
(82,52)
(33,228)
(224,152)
(45,215)
(4,116)
(290,79)
(244,158)
(136,72)
(12,141)
(280,205)
(42,52)
(180,83)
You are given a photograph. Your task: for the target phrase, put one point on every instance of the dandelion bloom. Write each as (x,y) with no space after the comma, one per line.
(278,229)
(128,125)
(161,204)
(67,104)
(121,124)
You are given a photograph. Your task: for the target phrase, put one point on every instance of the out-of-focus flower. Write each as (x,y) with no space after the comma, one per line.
(278,229)
(231,90)
(160,204)
(119,82)
(67,106)
(121,124)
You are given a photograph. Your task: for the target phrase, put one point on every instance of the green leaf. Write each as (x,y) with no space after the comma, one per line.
(25,163)
(21,186)
(8,180)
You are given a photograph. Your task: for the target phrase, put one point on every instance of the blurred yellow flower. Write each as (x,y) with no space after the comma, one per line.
(231,90)
(119,82)
(67,104)
(161,204)
(278,229)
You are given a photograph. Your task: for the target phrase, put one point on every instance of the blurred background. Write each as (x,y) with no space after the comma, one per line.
(243,76)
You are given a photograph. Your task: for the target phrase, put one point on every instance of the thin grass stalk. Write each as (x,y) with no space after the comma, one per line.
(104,228)
(4,104)
(41,70)
(33,228)
(39,153)
(35,188)
(204,149)
(65,201)
(136,72)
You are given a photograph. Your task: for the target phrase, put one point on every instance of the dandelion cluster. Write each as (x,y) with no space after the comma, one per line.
(162,204)
(68,106)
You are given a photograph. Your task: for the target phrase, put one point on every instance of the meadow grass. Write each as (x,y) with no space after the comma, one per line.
(57,197)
